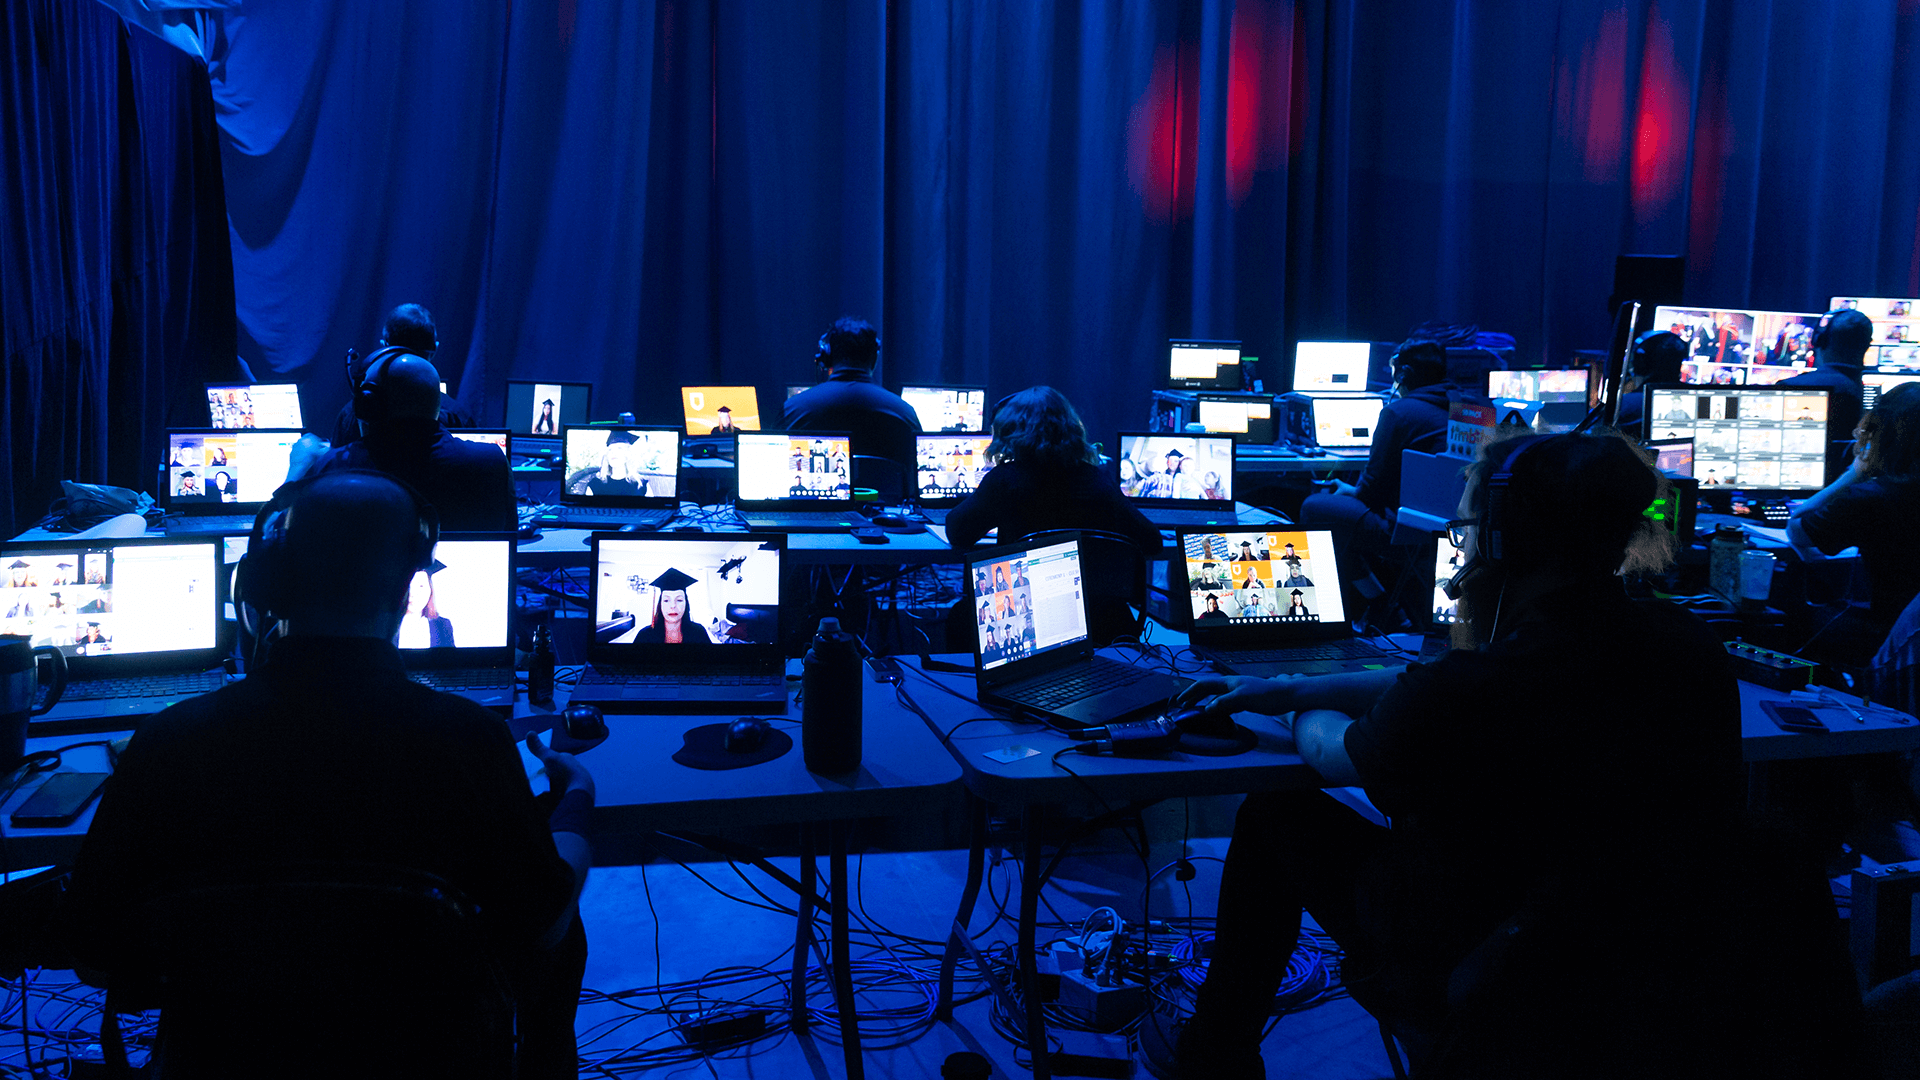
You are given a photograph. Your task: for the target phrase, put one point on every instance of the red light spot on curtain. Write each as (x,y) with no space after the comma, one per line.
(1154,142)
(1660,123)
(1261,70)
(1591,97)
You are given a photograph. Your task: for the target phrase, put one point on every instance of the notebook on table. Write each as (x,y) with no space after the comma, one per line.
(719,597)
(796,482)
(456,634)
(615,476)
(138,620)
(1031,649)
(948,467)
(1268,602)
(217,480)
(1178,480)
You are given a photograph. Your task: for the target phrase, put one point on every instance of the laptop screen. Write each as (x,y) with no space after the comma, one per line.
(463,601)
(1240,578)
(651,591)
(1331,365)
(212,467)
(1185,467)
(796,468)
(543,408)
(1346,421)
(948,408)
(1247,419)
(1203,365)
(1028,603)
(1673,455)
(1561,385)
(949,467)
(490,436)
(1446,563)
(254,405)
(113,598)
(621,463)
(720,410)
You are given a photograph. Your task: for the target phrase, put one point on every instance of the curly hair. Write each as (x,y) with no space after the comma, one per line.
(1037,426)
(1889,435)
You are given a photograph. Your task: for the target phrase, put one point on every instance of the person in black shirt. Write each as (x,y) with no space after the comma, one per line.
(408,327)
(670,625)
(1839,346)
(850,400)
(328,753)
(1656,358)
(1504,769)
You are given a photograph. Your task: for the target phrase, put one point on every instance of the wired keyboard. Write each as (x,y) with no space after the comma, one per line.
(1191,517)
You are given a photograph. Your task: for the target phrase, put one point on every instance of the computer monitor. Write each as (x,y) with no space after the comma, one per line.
(1190,468)
(1755,438)
(1563,394)
(1203,365)
(794,389)
(1346,420)
(1246,417)
(254,405)
(1447,562)
(240,469)
(776,468)
(620,466)
(1875,383)
(496,437)
(1896,330)
(949,466)
(1729,347)
(948,408)
(1673,455)
(1331,365)
(720,410)
(112,596)
(543,408)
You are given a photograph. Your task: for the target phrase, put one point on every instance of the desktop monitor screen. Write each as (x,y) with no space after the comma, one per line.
(1896,330)
(949,467)
(254,405)
(1247,419)
(1760,438)
(227,466)
(1346,421)
(1447,562)
(948,408)
(1203,365)
(1740,348)
(1876,383)
(1563,385)
(720,410)
(1673,455)
(1176,467)
(108,597)
(799,467)
(543,408)
(1331,365)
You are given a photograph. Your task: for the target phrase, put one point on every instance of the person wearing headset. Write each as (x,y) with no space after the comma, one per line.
(409,327)
(1656,358)
(850,399)
(1840,346)
(1505,771)
(325,754)
(397,407)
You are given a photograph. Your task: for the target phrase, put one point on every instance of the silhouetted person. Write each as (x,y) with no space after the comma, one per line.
(850,399)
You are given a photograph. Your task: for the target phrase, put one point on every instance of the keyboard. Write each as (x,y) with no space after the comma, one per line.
(793,519)
(144,686)
(211,523)
(457,680)
(1191,517)
(1076,684)
(629,675)
(1329,650)
(598,517)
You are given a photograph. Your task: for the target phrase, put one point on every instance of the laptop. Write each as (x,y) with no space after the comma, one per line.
(955,409)
(617,476)
(1268,602)
(948,467)
(796,483)
(1032,651)
(496,437)
(720,410)
(1344,424)
(543,408)
(218,480)
(254,405)
(1331,365)
(456,635)
(138,619)
(1178,480)
(727,592)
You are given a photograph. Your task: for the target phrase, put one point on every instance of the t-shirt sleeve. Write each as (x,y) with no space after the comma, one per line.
(1393,747)
(1846,518)
(979,513)
(523,882)
(1379,485)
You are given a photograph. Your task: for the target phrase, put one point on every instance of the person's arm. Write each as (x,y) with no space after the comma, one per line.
(979,513)
(1380,479)
(1808,513)
(306,453)
(569,824)
(1320,736)
(1349,692)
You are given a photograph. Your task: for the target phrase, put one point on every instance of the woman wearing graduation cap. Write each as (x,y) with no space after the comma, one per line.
(670,624)
(424,627)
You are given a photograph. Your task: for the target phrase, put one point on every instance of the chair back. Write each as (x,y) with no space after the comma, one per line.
(336,969)
(1115,571)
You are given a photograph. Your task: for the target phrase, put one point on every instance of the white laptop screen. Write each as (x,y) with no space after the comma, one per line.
(950,466)
(227,467)
(253,405)
(798,468)
(1331,365)
(701,592)
(1028,603)
(463,600)
(1176,467)
(622,462)
(1263,576)
(948,408)
(1343,421)
(97,598)
(496,439)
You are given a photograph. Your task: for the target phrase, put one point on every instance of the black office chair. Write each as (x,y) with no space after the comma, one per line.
(329,969)
(884,475)
(1114,570)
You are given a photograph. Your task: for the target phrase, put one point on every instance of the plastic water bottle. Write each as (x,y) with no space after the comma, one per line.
(830,716)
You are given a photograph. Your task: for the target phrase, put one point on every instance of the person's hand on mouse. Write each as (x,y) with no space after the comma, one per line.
(1338,487)
(1241,693)
(564,771)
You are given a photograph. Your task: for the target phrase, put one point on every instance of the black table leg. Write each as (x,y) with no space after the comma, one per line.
(803,931)
(842,951)
(976,868)
(1030,867)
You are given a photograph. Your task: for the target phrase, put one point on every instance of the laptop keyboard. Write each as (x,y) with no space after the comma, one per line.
(455,680)
(212,523)
(777,518)
(629,675)
(1077,684)
(144,686)
(1191,517)
(1331,650)
(610,515)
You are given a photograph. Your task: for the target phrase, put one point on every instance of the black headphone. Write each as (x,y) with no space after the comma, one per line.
(823,352)
(260,578)
(369,402)
(1489,532)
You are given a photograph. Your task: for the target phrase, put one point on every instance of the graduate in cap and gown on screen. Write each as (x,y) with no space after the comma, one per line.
(670,624)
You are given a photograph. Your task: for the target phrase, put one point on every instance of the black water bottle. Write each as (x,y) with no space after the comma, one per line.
(830,729)
(540,667)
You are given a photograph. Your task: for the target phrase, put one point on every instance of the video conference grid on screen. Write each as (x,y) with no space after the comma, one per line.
(1768,440)
(1207,364)
(641,586)
(720,410)
(609,461)
(1028,603)
(950,466)
(98,599)
(948,408)
(253,405)
(218,467)
(1896,329)
(1265,576)
(543,408)
(1346,421)
(1740,348)
(794,467)
(463,600)
(1331,365)
(1176,467)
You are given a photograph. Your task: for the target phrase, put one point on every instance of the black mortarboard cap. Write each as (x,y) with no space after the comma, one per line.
(672,579)
(187,475)
(618,436)
(1175,453)
(1296,592)
(436,567)
(18,564)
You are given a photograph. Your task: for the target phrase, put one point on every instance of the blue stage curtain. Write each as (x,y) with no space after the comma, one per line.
(116,287)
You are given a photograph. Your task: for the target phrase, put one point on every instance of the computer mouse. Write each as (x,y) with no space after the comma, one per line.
(746,734)
(1196,719)
(585,723)
(632,526)
(884,520)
